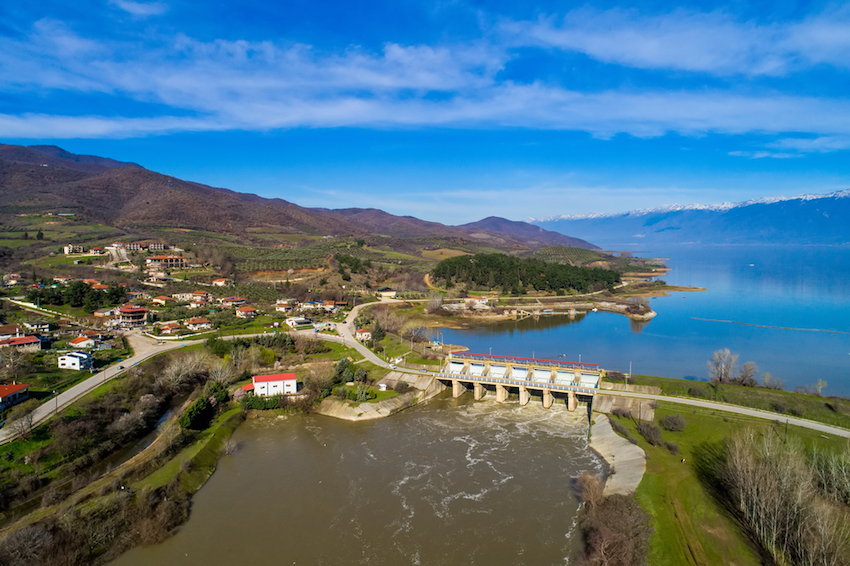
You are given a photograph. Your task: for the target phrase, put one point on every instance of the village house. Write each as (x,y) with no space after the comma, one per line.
(221,282)
(273,384)
(75,360)
(105,312)
(329,306)
(166,261)
(246,312)
(135,246)
(135,295)
(82,342)
(22,343)
(72,249)
(100,287)
(161,300)
(198,323)
(93,334)
(131,315)
(198,303)
(157,246)
(299,321)
(229,302)
(170,328)
(97,251)
(13,394)
(62,279)
(182,296)
(283,308)
(37,326)
(10,331)
(363,335)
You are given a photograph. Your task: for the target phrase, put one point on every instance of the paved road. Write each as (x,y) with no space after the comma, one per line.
(757,413)
(143,349)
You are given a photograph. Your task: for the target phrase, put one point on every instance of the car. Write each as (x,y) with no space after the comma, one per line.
(120,367)
(423,370)
(393,366)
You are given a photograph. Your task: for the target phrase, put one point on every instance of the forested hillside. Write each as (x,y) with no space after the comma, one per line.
(516,275)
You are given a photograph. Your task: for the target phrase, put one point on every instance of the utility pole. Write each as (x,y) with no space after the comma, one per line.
(628,376)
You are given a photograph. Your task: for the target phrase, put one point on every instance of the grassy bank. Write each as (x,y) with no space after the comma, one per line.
(827,410)
(692,524)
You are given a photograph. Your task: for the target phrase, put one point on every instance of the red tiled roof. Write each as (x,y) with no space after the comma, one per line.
(246,309)
(274,377)
(132,309)
(22,340)
(199,320)
(79,340)
(248,387)
(10,389)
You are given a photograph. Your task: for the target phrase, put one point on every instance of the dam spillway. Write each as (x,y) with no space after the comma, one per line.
(483,371)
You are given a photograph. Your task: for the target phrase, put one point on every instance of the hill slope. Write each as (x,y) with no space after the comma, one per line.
(48,179)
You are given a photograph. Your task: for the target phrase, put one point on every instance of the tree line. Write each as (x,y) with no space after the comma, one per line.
(78,294)
(516,275)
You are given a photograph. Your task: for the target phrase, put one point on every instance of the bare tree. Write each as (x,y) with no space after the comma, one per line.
(747,375)
(22,417)
(14,362)
(722,365)
(435,303)
(820,386)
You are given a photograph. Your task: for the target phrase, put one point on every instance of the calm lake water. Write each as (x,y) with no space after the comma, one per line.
(450,482)
(795,287)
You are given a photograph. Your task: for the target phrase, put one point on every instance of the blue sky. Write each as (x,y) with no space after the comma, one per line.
(445,110)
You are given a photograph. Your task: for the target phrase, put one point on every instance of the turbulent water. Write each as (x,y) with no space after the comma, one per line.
(450,482)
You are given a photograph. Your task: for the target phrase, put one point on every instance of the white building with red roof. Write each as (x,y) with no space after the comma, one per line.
(274,384)
(82,342)
(246,312)
(131,315)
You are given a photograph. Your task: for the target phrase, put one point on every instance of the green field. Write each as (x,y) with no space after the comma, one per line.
(692,526)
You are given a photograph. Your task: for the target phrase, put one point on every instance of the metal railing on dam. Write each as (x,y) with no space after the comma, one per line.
(517,383)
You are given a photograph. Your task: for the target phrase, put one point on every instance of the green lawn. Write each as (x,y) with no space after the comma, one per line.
(821,409)
(691,525)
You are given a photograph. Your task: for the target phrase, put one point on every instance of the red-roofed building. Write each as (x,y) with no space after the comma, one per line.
(232,301)
(161,300)
(275,384)
(24,343)
(82,342)
(170,328)
(363,334)
(246,312)
(199,323)
(131,315)
(13,394)
(10,331)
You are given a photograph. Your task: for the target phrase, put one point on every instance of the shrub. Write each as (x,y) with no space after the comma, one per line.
(620,429)
(697,391)
(650,432)
(673,423)
(402,387)
(779,407)
(672,447)
(196,415)
(621,412)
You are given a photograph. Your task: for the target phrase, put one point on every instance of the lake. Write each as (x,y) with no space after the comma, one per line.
(805,287)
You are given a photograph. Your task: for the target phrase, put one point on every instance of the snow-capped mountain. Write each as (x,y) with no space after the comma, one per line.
(804,219)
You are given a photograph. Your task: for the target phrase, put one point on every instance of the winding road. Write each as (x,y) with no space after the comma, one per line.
(146,348)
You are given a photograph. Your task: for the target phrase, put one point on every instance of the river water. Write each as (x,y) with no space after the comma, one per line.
(446,483)
(793,287)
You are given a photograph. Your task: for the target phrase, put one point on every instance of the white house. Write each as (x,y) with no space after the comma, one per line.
(82,342)
(75,360)
(275,384)
(246,312)
(363,335)
(297,321)
(198,323)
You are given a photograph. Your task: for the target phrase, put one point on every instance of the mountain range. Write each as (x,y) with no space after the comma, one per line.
(40,179)
(806,219)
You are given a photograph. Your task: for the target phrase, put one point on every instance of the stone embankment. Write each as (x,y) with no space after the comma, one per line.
(626,461)
(424,386)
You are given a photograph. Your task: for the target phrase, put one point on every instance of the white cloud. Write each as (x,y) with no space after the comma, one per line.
(222,85)
(141,9)
(706,42)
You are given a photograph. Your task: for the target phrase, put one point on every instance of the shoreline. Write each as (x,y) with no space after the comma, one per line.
(625,462)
